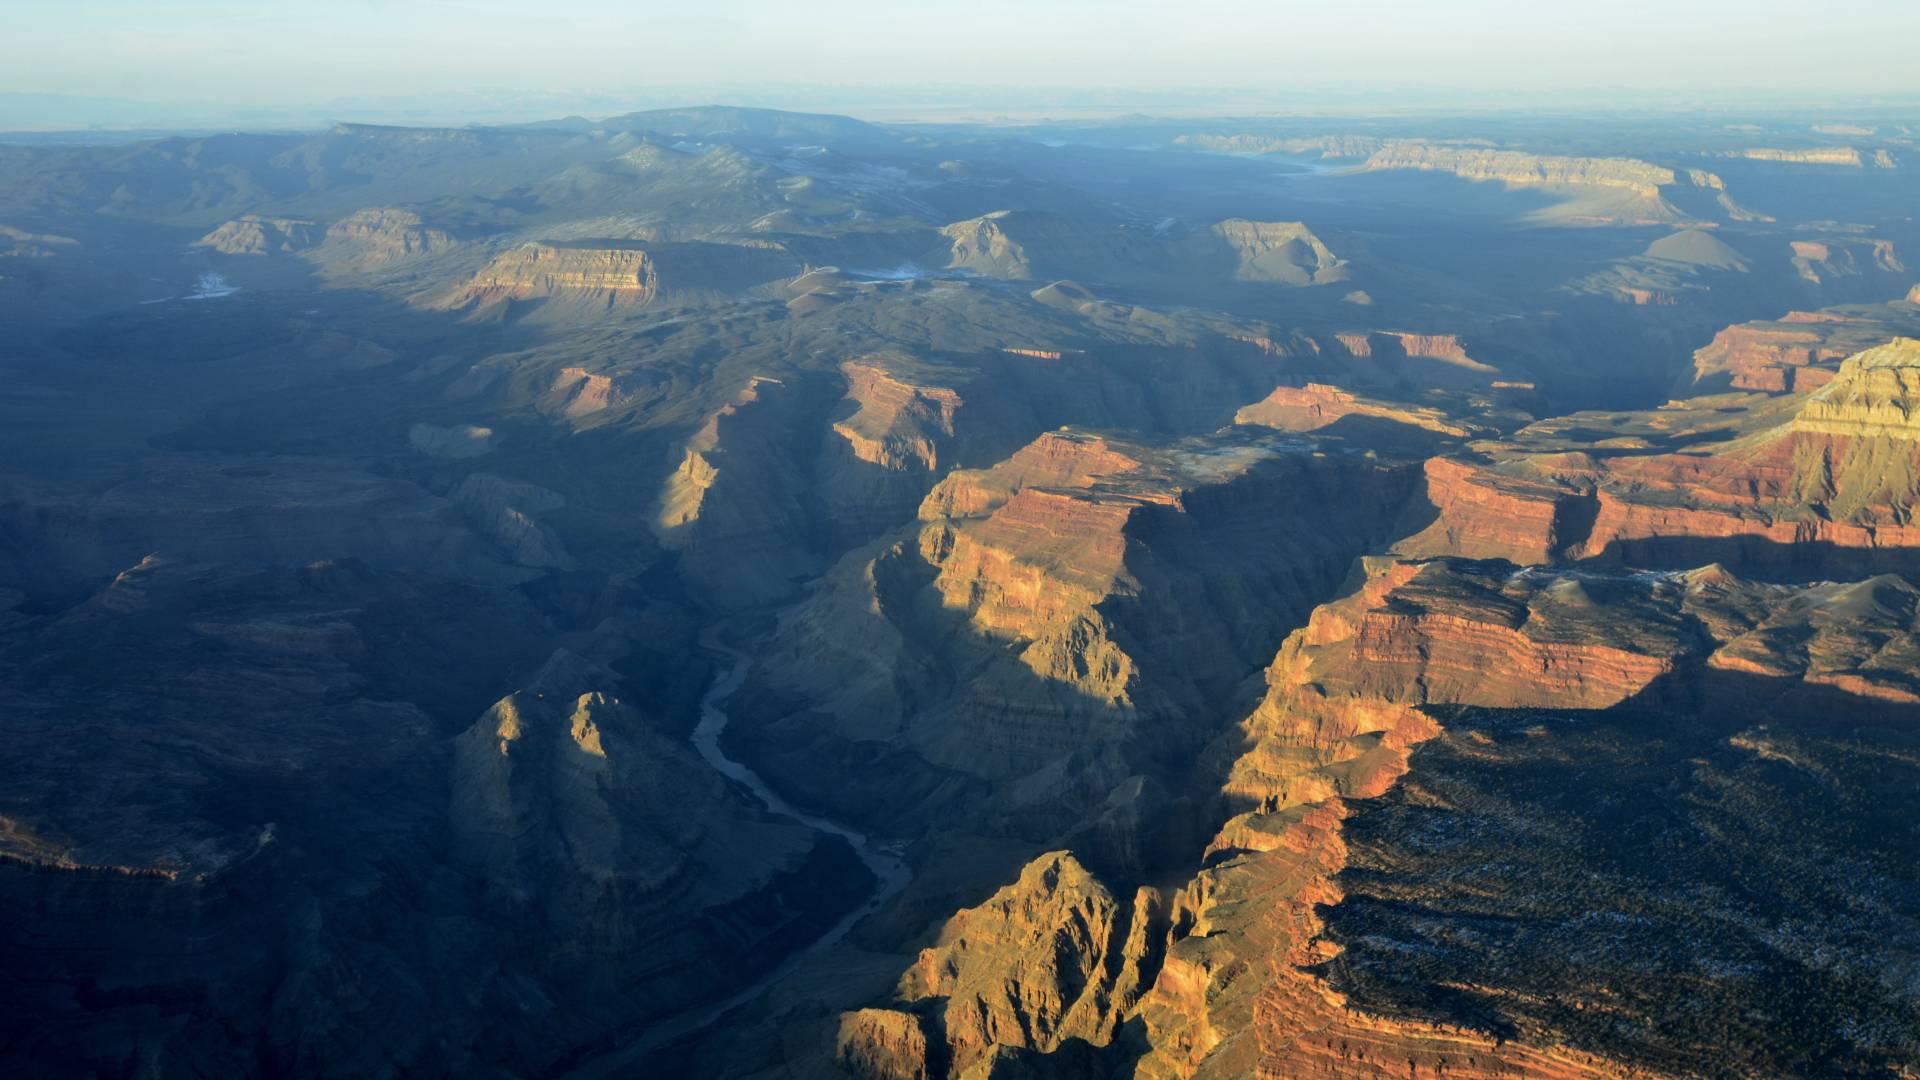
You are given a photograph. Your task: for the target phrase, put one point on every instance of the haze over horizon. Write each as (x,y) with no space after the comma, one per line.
(121,64)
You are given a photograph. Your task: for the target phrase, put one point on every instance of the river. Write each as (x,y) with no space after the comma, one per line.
(890,872)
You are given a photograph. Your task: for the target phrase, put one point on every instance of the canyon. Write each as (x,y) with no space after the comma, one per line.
(741,593)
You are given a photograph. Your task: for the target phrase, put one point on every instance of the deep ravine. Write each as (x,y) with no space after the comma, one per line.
(890,871)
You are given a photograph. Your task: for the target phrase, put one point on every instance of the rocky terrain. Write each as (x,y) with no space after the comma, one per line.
(726,592)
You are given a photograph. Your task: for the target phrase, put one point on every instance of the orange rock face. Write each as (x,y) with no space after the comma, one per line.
(1480,514)
(603,277)
(377,239)
(1055,459)
(1799,352)
(1823,483)
(253,235)
(900,437)
(1316,405)
(1228,976)
(1243,989)
(1344,707)
(1069,615)
(576,393)
(1759,356)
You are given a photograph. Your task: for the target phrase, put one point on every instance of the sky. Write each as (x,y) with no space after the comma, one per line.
(92,60)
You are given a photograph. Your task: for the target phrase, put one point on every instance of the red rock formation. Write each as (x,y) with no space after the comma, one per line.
(576,393)
(1316,405)
(1820,261)
(604,277)
(1057,458)
(887,454)
(1342,711)
(1078,604)
(1482,514)
(1798,352)
(1843,474)
(1427,360)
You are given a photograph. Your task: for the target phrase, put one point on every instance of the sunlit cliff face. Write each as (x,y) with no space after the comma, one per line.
(730,592)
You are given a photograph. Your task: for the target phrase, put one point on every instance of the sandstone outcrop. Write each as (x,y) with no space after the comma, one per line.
(1021,245)
(381,237)
(1800,351)
(1050,957)
(883,1044)
(577,394)
(1478,513)
(1410,359)
(1823,484)
(1279,252)
(1057,623)
(898,439)
(252,235)
(984,246)
(732,507)
(1217,978)
(1842,473)
(1317,405)
(1024,245)
(1245,986)
(1833,155)
(1822,261)
(1597,190)
(1876,393)
(577,275)
(1520,169)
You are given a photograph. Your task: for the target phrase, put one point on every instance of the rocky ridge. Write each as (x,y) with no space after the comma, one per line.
(606,277)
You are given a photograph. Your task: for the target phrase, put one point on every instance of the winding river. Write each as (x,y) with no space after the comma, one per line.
(890,872)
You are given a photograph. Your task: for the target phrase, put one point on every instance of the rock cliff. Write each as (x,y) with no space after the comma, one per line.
(1875,394)
(1052,956)
(1279,252)
(577,276)
(1061,622)
(378,238)
(1522,169)
(732,507)
(1832,155)
(1023,245)
(1262,976)
(252,235)
(1821,484)
(898,438)
(1317,405)
(1594,190)
(1825,260)
(1800,351)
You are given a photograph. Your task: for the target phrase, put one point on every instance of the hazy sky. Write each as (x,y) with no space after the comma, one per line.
(280,53)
